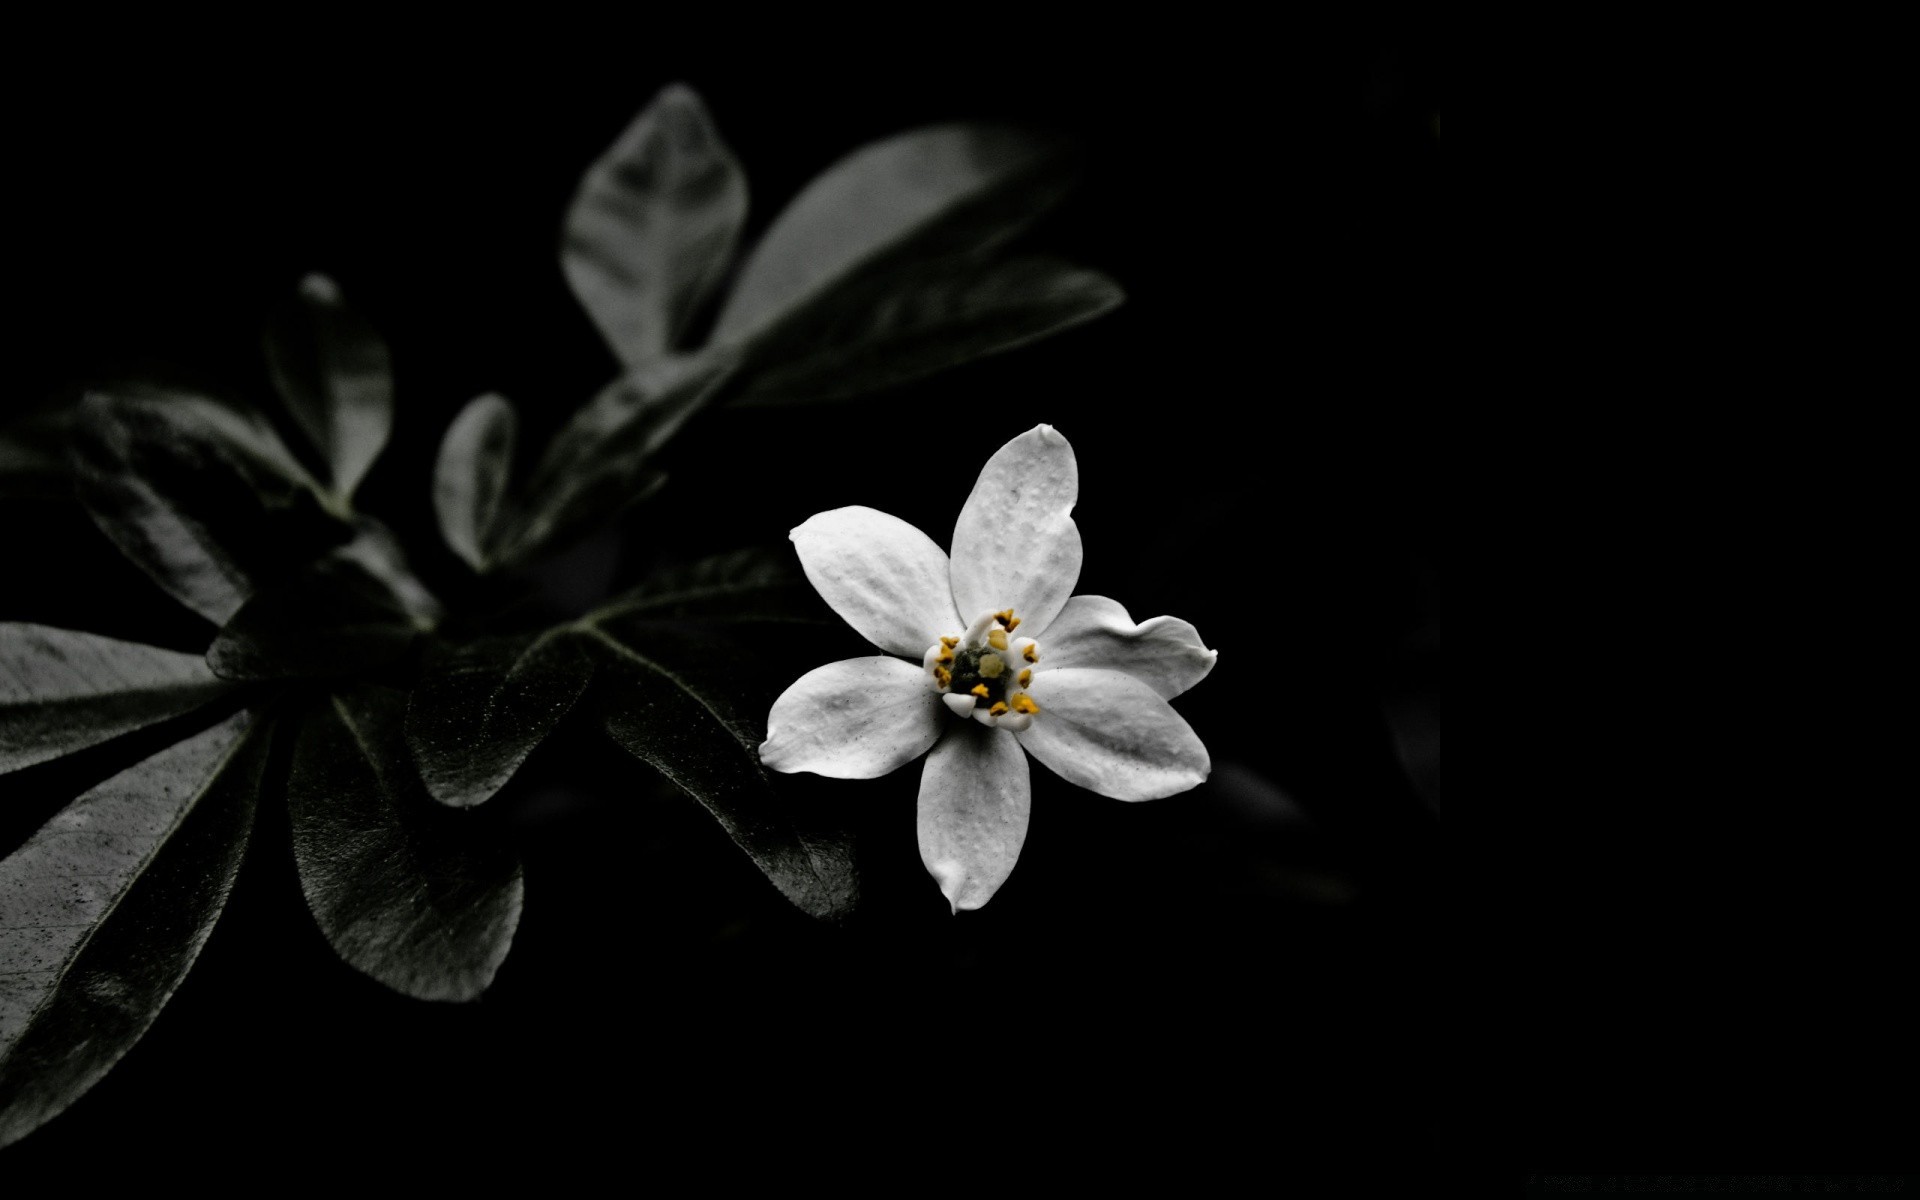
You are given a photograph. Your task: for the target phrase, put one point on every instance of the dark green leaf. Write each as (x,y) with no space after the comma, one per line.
(670,696)
(62,691)
(755,584)
(333,371)
(330,620)
(653,226)
(107,907)
(375,550)
(203,498)
(470,479)
(923,195)
(918,320)
(596,465)
(407,891)
(480,709)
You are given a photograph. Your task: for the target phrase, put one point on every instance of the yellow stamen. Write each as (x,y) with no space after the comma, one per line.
(1007,620)
(943,677)
(1024,703)
(1026,677)
(997,638)
(992,665)
(998,710)
(945,657)
(980,690)
(1032,653)
(949,642)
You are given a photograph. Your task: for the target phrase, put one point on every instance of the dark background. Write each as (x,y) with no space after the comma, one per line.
(1248,973)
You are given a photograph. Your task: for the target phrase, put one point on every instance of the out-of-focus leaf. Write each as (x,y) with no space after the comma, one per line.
(480,709)
(926,194)
(376,551)
(33,456)
(330,620)
(406,890)
(62,691)
(669,696)
(470,478)
(334,373)
(596,464)
(107,907)
(918,320)
(195,493)
(652,229)
(754,584)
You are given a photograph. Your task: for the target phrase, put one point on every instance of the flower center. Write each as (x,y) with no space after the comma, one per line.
(984,672)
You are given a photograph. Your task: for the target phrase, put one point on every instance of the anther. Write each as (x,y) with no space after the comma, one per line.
(997,638)
(980,690)
(1032,652)
(1023,703)
(1026,677)
(998,710)
(1007,620)
(949,642)
(943,677)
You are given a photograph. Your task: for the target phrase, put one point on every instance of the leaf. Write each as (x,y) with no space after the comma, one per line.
(377,552)
(652,229)
(755,584)
(470,478)
(62,691)
(332,619)
(107,907)
(480,709)
(922,195)
(596,464)
(405,890)
(204,498)
(918,321)
(334,373)
(668,697)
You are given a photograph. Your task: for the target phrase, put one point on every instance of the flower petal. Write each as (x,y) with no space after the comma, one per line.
(1110,733)
(974,798)
(884,577)
(1165,653)
(855,719)
(1016,545)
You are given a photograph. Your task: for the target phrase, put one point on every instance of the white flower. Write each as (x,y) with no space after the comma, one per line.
(1002,657)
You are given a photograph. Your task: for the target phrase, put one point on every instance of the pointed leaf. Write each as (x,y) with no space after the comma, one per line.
(376,551)
(918,321)
(480,709)
(755,584)
(922,195)
(330,620)
(596,465)
(470,478)
(652,229)
(204,498)
(107,907)
(405,890)
(668,697)
(62,691)
(334,373)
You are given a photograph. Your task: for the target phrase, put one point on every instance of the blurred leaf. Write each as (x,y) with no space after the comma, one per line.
(922,195)
(106,909)
(329,620)
(596,465)
(480,709)
(652,229)
(407,891)
(334,373)
(470,478)
(755,584)
(917,321)
(376,551)
(671,696)
(62,691)
(193,492)
(33,456)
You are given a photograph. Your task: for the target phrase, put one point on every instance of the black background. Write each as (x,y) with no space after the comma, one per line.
(1249,973)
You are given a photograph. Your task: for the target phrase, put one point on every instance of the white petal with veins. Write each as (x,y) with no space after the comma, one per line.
(1165,652)
(1015,544)
(1110,733)
(974,799)
(884,577)
(855,719)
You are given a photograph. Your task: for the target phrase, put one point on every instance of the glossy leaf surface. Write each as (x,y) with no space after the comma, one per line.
(409,892)
(917,321)
(922,195)
(480,709)
(336,377)
(105,909)
(652,229)
(470,477)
